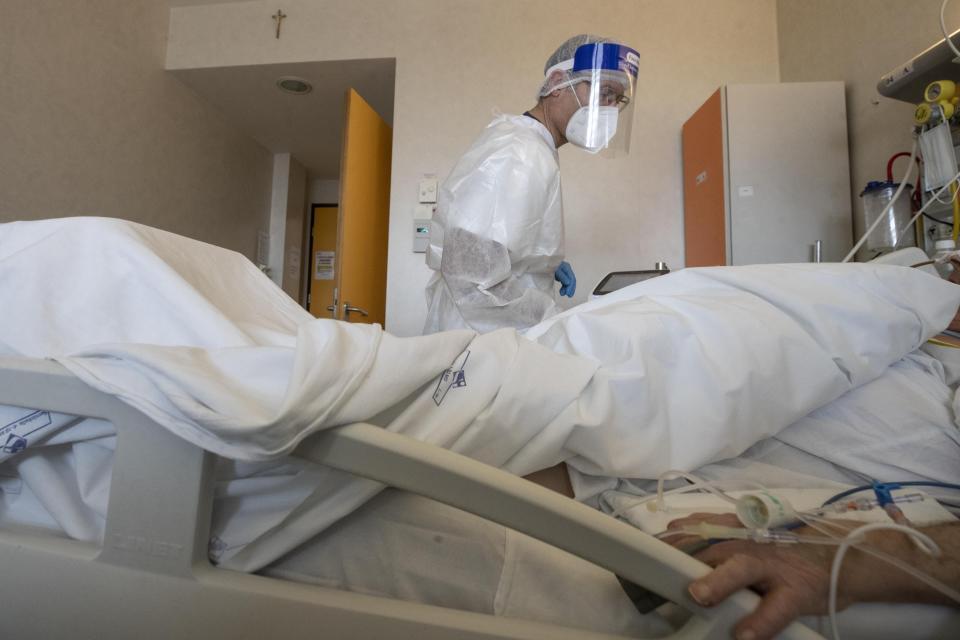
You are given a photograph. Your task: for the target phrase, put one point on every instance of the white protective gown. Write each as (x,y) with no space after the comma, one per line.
(497,234)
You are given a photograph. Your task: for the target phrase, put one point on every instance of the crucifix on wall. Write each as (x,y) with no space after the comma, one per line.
(278,18)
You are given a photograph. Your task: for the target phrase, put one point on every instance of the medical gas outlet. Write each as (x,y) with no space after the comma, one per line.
(940,103)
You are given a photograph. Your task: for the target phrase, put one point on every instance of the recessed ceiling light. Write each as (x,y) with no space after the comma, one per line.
(295,85)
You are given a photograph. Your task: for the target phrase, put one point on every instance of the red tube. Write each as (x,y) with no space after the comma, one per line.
(893,159)
(916,191)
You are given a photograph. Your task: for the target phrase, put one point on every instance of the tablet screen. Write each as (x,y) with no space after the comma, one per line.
(620,279)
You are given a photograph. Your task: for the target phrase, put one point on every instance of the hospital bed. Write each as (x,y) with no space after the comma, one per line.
(152,578)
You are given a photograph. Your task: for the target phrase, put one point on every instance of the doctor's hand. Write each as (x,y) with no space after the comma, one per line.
(568,281)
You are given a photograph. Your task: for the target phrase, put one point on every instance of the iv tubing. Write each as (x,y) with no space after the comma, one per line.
(674,473)
(909,483)
(812,522)
(716,532)
(852,538)
(641,500)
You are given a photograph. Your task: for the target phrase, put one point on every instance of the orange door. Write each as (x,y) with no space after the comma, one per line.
(704,208)
(323,261)
(361,277)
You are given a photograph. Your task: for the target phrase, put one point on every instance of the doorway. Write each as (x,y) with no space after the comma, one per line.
(347,252)
(312,129)
(322,260)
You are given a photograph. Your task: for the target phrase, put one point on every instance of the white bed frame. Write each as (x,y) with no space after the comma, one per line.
(152,578)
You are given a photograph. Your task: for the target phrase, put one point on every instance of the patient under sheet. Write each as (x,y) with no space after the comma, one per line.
(676,372)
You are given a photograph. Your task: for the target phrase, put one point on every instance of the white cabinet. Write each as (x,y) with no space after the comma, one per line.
(766,175)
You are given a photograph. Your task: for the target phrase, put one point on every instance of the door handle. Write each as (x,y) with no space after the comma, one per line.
(347,310)
(332,308)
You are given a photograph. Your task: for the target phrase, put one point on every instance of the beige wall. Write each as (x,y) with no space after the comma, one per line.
(858,41)
(91,124)
(459,60)
(295,232)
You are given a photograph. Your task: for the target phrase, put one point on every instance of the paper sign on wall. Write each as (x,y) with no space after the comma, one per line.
(323,265)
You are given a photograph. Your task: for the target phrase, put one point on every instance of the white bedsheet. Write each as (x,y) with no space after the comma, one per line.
(428,552)
(899,427)
(676,372)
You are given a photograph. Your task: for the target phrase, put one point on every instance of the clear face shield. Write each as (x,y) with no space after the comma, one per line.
(603,76)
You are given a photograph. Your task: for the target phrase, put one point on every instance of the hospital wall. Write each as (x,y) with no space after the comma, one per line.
(857,41)
(458,61)
(91,124)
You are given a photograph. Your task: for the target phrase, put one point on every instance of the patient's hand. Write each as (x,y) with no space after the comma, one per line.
(793,580)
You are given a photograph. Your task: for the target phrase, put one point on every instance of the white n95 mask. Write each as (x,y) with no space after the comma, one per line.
(592,128)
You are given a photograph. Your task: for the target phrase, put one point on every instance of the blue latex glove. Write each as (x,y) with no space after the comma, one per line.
(568,281)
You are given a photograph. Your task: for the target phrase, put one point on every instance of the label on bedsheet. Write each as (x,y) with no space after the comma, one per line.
(16,436)
(452,378)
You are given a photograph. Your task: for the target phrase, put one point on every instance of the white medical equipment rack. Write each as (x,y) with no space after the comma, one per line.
(151,578)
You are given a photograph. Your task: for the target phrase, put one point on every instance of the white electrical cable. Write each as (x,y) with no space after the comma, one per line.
(943,28)
(886,210)
(924,208)
(855,536)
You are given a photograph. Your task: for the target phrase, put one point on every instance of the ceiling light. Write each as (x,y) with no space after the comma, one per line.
(292,84)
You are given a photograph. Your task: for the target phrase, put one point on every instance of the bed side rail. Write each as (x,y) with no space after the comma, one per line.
(161,491)
(462,482)
(161,497)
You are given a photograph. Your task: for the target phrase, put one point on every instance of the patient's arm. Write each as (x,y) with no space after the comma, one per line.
(555,478)
(794,580)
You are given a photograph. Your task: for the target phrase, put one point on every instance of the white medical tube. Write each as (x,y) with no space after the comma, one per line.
(886,210)
(952,198)
(636,501)
(675,473)
(943,28)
